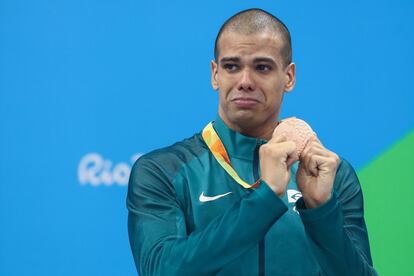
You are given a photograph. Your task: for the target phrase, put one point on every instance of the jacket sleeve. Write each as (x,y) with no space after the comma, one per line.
(337,230)
(157,226)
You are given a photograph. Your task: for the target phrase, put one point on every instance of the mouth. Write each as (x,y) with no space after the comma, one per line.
(245,102)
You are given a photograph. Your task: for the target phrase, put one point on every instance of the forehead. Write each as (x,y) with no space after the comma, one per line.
(250,45)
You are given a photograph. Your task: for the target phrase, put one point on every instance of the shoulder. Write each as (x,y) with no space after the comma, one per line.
(152,174)
(167,161)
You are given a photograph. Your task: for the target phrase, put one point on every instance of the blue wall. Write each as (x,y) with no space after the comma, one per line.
(88,86)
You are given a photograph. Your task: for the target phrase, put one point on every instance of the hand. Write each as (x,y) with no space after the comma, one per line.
(316,173)
(276,158)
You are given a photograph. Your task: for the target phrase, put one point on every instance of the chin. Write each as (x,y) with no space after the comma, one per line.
(244,114)
(245,119)
(241,118)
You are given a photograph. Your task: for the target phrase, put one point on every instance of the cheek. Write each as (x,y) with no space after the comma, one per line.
(274,95)
(226,86)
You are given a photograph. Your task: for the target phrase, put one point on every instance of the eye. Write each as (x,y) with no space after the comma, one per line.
(230,67)
(263,68)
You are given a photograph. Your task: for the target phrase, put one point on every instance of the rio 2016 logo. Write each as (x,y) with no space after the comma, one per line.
(94,170)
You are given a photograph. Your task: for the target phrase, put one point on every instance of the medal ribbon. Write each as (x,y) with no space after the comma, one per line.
(218,150)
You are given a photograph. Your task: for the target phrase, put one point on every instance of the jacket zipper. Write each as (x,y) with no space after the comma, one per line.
(255,177)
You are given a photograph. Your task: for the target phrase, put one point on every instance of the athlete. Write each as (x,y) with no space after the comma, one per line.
(235,200)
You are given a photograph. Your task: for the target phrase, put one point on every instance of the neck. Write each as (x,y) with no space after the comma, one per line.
(263,131)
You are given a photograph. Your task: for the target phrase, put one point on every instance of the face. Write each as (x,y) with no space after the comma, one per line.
(251,79)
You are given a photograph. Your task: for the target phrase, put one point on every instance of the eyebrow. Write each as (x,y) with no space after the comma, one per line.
(264,59)
(255,60)
(230,59)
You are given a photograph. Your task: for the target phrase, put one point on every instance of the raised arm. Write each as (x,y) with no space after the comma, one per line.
(158,234)
(337,228)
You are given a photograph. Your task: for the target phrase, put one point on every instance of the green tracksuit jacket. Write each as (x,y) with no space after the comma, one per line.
(187,216)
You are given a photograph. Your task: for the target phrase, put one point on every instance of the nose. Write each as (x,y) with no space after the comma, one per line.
(246,82)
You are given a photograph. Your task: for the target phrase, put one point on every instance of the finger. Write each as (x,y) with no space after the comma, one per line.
(314,137)
(291,159)
(278,139)
(315,147)
(319,164)
(285,150)
(304,160)
(313,142)
(289,149)
(319,151)
(303,168)
(312,165)
(304,157)
(308,159)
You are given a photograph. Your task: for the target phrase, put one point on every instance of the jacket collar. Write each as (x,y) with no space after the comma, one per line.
(236,144)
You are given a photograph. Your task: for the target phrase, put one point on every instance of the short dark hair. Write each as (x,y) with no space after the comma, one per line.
(252,21)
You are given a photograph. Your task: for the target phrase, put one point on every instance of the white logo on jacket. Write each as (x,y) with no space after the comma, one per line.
(293,196)
(204,198)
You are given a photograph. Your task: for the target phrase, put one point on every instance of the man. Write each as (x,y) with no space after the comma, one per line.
(188,215)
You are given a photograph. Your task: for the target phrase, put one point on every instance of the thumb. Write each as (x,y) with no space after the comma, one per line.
(303,169)
(290,161)
(278,139)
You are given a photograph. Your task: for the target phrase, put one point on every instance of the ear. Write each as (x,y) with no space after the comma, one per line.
(214,68)
(290,77)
